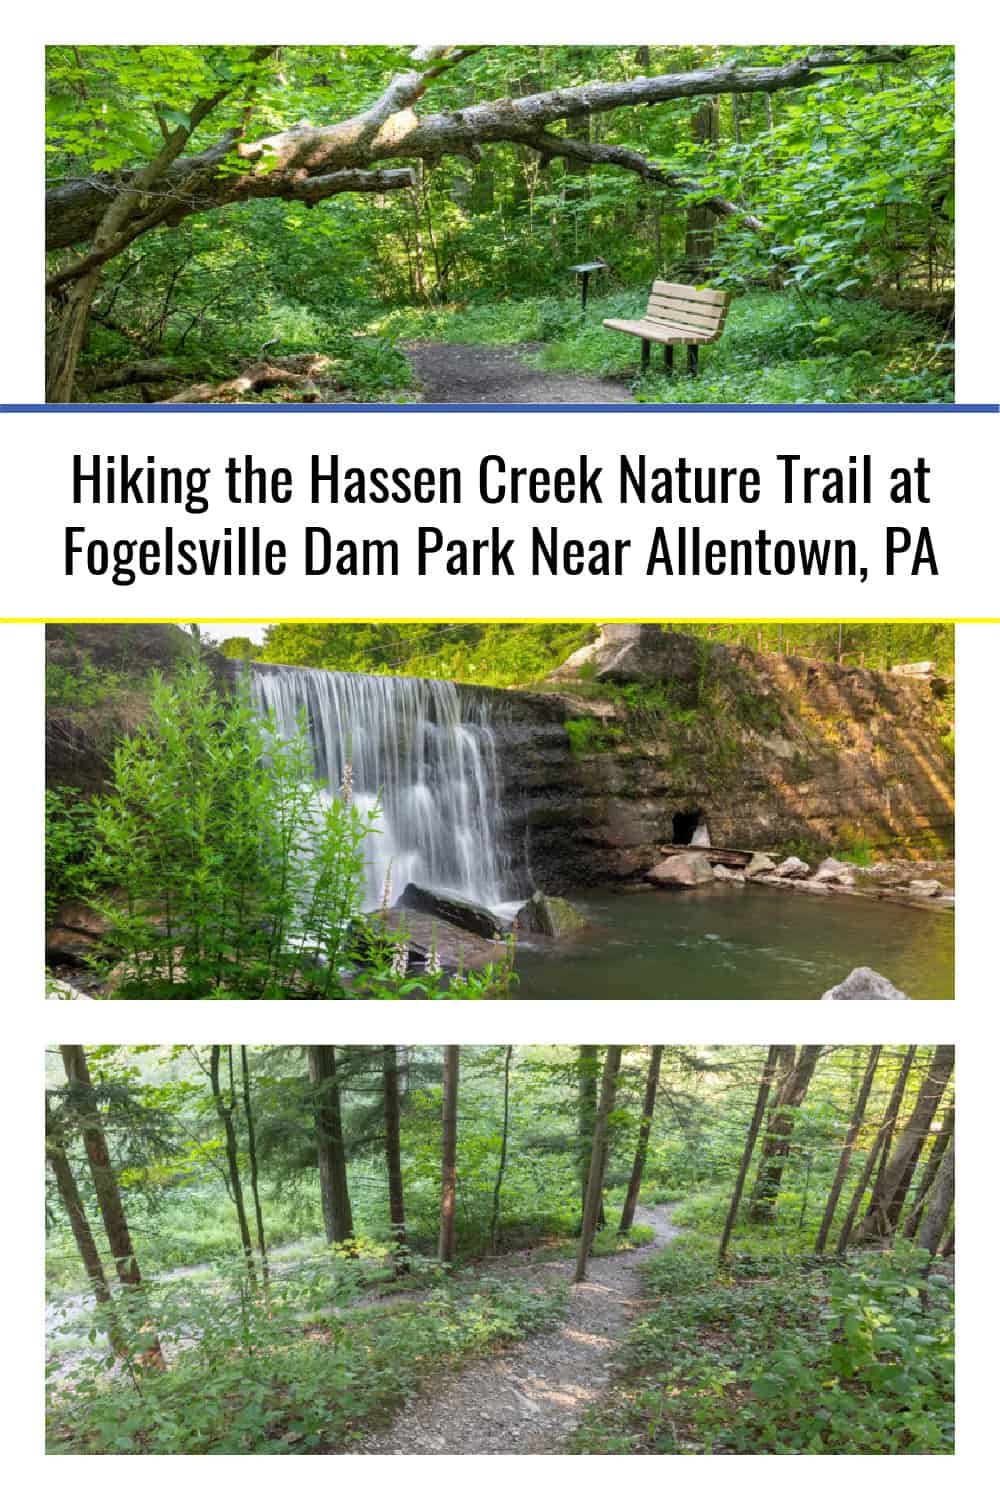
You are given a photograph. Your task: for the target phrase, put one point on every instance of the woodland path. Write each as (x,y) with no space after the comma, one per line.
(473,374)
(528,1399)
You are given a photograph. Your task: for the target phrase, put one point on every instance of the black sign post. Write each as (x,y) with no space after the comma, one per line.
(583,271)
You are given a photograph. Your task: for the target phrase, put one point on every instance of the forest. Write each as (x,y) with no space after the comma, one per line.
(356,224)
(500,1249)
(512,654)
(449,811)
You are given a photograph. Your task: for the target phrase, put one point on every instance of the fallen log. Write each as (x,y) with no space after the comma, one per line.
(134,372)
(258,377)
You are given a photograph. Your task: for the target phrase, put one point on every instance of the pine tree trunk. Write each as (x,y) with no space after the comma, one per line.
(843,1165)
(889,1194)
(504,1137)
(393,1161)
(225,1113)
(83,1235)
(598,1158)
(771,1064)
(939,1209)
(588,1068)
(106,1186)
(642,1145)
(926,1183)
(778,1138)
(338,1220)
(254,1172)
(878,1148)
(449,1147)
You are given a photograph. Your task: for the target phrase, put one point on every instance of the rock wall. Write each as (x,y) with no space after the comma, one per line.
(640,729)
(97,690)
(773,752)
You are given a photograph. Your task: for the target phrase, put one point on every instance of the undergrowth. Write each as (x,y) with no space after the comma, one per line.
(777,347)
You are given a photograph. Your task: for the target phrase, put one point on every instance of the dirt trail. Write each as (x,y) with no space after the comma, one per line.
(471,374)
(529,1399)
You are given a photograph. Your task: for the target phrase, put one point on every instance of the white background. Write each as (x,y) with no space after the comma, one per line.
(32,451)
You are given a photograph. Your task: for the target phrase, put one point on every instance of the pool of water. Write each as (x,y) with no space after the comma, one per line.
(731,942)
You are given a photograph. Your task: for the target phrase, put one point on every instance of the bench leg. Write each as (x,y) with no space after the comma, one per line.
(645,355)
(692,359)
(668,359)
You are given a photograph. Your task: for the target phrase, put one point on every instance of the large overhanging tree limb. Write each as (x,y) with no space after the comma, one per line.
(305,161)
(549,145)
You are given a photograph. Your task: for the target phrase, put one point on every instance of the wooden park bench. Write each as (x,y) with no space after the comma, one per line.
(677,314)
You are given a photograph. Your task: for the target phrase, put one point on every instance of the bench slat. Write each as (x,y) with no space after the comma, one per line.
(691,293)
(659,333)
(674,312)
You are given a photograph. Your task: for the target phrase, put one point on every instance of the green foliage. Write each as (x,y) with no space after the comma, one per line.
(83,686)
(226,871)
(297,1371)
(852,178)
(592,736)
(785,1356)
(772,350)
(493,654)
(69,847)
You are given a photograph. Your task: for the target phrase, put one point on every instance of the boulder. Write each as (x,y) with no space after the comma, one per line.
(927,888)
(723,872)
(453,947)
(792,869)
(864,984)
(644,653)
(682,869)
(64,947)
(760,864)
(468,915)
(835,872)
(550,916)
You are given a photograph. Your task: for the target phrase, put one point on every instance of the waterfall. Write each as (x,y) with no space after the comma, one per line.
(425,752)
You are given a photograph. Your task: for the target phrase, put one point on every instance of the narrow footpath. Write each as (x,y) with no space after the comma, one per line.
(531,1397)
(481,374)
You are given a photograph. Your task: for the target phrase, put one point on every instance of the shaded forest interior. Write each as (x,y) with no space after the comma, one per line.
(282,1245)
(293,219)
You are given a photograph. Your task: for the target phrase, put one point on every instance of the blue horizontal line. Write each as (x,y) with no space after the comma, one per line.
(152,408)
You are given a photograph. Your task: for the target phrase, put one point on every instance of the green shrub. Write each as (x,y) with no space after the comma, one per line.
(69,846)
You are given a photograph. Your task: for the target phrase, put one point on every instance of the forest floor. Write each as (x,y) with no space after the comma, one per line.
(529,1399)
(473,374)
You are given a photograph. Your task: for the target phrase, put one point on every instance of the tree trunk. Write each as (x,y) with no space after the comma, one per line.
(699,239)
(941,1143)
(449,1147)
(225,1113)
(778,1137)
(889,1194)
(878,1147)
(393,1161)
(83,1235)
(106,1186)
(598,1158)
(843,1165)
(939,1209)
(254,1174)
(588,1067)
(338,1220)
(770,1066)
(67,341)
(504,1137)
(642,1145)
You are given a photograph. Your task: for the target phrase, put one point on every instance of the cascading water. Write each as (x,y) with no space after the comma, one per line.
(425,752)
